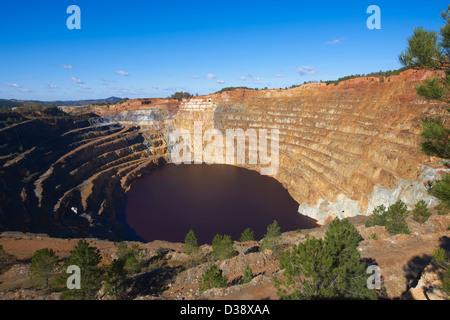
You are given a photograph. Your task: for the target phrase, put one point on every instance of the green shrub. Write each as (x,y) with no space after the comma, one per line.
(393,219)
(329,268)
(234,88)
(133,257)
(212,278)
(440,259)
(442,210)
(116,279)
(44,263)
(441,190)
(439,256)
(435,137)
(272,239)
(396,218)
(421,212)
(373,236)
(180,95)
(190,242)
(378,217)
(223,247)
(247,235)
(446,281)
(248,275)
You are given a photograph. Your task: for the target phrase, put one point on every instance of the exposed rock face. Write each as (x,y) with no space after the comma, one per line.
(404,262)
(69,178)
(343,149)
(429,286)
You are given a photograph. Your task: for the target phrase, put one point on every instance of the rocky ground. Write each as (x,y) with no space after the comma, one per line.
(404,261)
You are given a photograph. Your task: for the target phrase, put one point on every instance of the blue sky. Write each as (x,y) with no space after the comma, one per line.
(147,48)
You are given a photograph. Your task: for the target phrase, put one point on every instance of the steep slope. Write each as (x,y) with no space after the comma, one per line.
(343,149)
(69,178)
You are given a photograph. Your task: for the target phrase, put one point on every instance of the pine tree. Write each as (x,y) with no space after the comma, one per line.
(116,279)
(272,239)
(421,212)
(393,219)
(43,265)
(329,268)
(396,218)
(222,247)
(378,217)
(248,275)
(212,278)
(446,281)
(441,190)
(132,257)
(273,230)
(190,242)
(247,235)
(87,258)
(431,50)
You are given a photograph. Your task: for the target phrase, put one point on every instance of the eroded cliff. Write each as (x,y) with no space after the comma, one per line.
(343,149)
(68,178)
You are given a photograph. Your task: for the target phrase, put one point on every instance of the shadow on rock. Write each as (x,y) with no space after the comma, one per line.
(153,282)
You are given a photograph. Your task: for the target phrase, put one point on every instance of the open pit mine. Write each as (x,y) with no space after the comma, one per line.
(343,150)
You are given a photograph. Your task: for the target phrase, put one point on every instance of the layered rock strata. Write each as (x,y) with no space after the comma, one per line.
(69,178)
(343,149)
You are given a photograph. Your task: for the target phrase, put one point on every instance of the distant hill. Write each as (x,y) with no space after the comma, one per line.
(17,103)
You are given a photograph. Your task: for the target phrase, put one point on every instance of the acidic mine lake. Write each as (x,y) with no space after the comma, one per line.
(168,201)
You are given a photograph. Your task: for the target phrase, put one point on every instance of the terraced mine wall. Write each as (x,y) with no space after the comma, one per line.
(68,178)
(343,149)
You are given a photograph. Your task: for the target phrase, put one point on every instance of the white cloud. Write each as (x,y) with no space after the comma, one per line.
(257,80)
(52,86)
(306,70)
(12,85)
(76,80)
(336,41)
(122,90)
(243,78)
(278,76)
(67,66)
(25,90)
(211,76)
(83,86)
(108,80)
(220,81)
(194,76)
(122,73)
